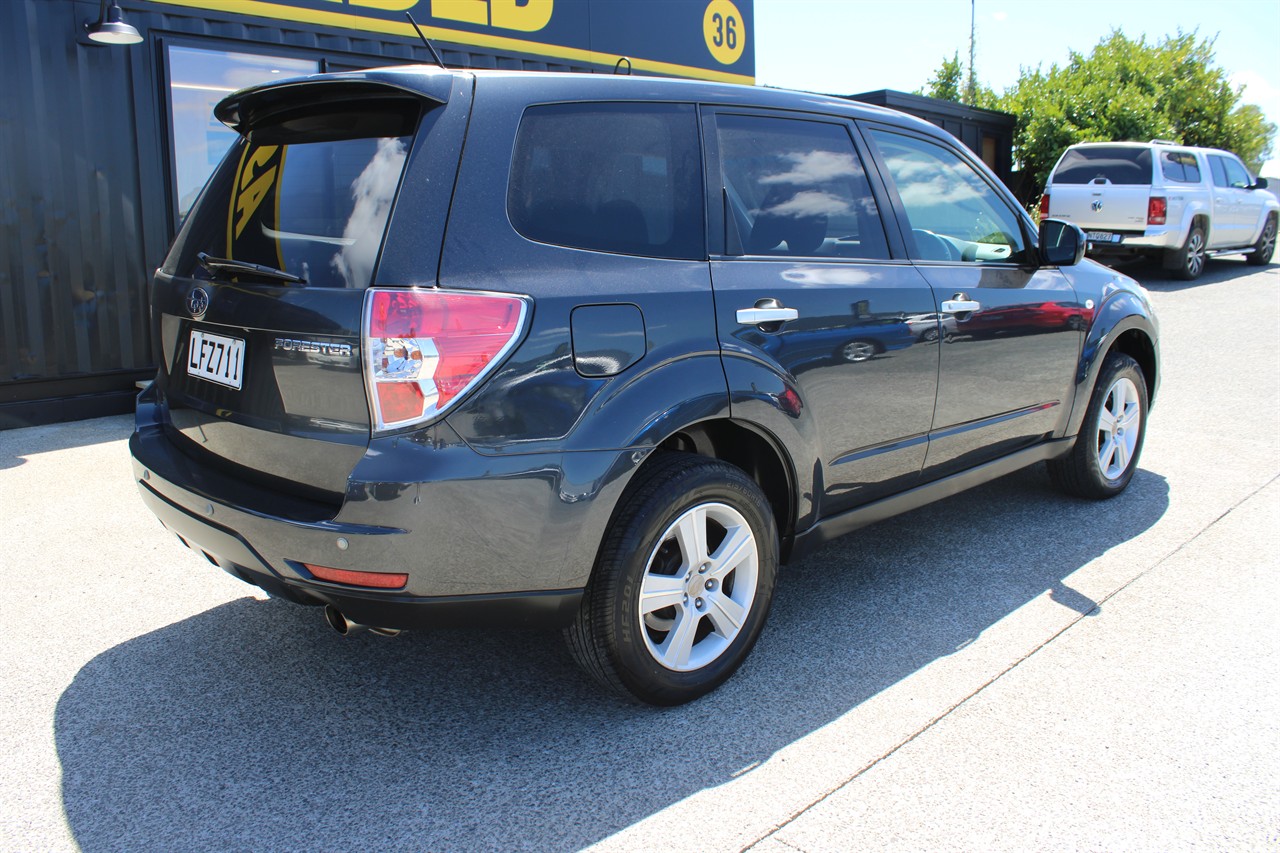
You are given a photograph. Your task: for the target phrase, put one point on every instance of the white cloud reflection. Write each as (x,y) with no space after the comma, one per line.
(373,192)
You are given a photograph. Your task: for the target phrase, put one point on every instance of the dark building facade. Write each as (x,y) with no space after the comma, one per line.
(105,146)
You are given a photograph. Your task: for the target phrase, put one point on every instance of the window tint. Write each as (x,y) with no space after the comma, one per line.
(1219,171)
(1180,166)
(1116,164)
(1237,176)
(954,214)
(610,177)
(310,197)
(797,188)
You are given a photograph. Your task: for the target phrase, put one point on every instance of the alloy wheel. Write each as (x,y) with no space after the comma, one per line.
(1119,427)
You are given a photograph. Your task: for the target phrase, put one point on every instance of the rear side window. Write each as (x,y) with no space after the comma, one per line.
(796,187)
(1103,163)
(610,177)
(309,195)
(1180,166)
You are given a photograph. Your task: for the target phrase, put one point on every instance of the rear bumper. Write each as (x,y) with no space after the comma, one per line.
(498,540)
(1151,241)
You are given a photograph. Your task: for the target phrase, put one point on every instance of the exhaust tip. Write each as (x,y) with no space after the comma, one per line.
(339,623)
(345,627)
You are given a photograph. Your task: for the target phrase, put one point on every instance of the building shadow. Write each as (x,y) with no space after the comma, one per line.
(249,726)
(16,445)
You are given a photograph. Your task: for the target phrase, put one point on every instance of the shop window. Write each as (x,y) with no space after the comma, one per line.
(198,80)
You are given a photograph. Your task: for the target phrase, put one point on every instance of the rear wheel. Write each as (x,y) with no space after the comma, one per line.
(1106,452)
(1187,263)
(682,585)
(1266,245)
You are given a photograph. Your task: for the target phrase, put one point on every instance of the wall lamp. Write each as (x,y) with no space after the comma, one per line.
(110,28)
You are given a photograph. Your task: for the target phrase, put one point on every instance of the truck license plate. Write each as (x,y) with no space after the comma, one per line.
(1104,237)
(216,358)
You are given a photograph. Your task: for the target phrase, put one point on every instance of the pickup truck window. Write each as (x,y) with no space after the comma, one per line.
(1237,175)
(1180,166)
(1112,164)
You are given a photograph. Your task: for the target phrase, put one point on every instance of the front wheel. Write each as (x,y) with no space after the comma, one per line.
(1266,245)
(682,585)
(1106,452)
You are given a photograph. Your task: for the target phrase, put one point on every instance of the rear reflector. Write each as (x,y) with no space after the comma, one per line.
(376,580)
(426,348)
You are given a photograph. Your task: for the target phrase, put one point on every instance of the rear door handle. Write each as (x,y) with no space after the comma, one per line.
(756,316)
(957,306)
(766,311)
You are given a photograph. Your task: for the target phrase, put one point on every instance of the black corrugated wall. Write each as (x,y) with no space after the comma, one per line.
(85,194)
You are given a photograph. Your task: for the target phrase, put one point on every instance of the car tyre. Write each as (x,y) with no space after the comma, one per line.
(1105,455)
(1266,245)
(682,584)
(1188,262)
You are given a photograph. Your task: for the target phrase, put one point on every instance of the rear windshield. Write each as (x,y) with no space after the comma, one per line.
(1114,165)
(310,196)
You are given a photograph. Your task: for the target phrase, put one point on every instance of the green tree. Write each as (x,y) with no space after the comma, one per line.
(1127,89)
(945,83)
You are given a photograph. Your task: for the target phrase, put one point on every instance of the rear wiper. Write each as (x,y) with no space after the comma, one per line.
(217,265)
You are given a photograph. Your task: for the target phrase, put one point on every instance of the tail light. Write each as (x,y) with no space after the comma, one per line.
(1044,206)
(1157,210)
(425,348)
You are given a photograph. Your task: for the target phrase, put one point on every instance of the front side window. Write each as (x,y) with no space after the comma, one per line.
(797,187)
(311,200)
(954,214)
(610,177)
(1237,175)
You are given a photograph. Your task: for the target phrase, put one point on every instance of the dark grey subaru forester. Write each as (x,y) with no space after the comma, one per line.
(597,352)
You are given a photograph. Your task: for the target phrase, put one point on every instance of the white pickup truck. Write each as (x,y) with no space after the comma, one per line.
(1175,203)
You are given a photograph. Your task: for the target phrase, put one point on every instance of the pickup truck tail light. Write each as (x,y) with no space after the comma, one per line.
(423,349)
(1157,210)
(1044,206)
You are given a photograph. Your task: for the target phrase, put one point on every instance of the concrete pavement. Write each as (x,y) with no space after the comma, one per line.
(1007,669)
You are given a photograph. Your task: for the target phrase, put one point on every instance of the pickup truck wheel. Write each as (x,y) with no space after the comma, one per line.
(1188,262)
(1266,245)
(1106,452)
(682,585)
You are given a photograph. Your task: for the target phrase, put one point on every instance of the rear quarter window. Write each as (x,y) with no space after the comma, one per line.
(609,177)
(1116,165)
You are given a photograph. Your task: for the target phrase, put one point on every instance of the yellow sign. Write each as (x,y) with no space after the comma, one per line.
(724,31)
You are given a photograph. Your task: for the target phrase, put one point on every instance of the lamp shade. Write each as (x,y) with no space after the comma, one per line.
(111,28)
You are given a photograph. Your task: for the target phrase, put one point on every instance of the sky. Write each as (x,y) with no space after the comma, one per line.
(850,46)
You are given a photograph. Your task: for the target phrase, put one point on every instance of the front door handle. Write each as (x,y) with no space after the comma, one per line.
(766,311)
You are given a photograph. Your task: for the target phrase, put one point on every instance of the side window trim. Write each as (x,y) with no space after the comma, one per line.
(715,190)
(1029,236)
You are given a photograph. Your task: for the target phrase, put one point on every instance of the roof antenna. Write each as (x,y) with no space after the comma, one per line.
(423,36)
(618,65)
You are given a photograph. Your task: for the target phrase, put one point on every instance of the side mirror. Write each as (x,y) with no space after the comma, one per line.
(1259,184)
(1062,244)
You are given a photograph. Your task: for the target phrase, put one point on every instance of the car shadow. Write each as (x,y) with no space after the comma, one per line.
(249,726)
(1216,271)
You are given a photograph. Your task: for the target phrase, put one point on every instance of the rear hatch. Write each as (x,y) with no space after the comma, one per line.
(1102,188)
(258,307)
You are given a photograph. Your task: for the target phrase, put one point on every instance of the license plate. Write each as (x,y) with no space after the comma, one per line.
(216,358)
(1104,237)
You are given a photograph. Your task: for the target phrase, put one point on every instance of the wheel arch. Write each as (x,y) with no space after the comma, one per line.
(1124,324)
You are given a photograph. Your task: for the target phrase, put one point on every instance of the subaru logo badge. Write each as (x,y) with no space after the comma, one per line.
(198,302)
(1097,205)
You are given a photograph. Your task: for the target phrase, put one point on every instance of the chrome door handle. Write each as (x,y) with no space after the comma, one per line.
(957,306)
(757,316)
